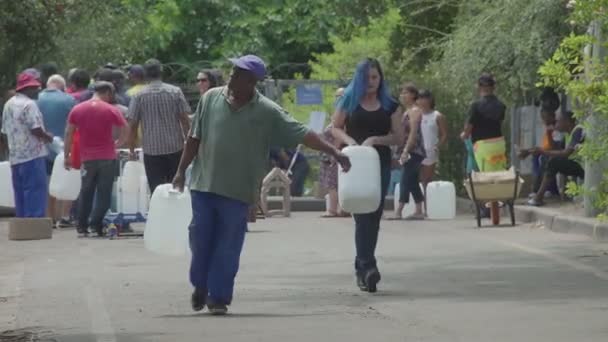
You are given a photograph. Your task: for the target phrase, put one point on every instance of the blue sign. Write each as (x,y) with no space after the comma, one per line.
(309,94)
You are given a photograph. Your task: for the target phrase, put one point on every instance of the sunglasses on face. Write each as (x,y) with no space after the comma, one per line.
(202,80)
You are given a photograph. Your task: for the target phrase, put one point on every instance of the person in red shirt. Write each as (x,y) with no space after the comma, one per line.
(95,119)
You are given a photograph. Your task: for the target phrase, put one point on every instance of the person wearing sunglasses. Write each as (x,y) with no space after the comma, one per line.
(207,79)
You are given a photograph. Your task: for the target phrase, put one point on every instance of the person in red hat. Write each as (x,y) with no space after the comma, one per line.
(24,128)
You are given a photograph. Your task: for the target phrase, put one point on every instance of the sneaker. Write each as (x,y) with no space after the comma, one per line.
(534,203)
(217,309)
(372,278)
(82,232)
(198,300)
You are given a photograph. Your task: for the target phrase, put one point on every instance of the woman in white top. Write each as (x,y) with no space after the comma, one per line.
(434,134)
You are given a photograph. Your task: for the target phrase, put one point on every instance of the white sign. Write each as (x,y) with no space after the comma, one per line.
(316,122)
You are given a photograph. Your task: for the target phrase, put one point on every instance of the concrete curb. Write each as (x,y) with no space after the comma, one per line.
(463,205)
(553,220)
(311,203)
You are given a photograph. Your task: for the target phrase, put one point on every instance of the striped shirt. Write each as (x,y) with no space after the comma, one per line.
(158,107)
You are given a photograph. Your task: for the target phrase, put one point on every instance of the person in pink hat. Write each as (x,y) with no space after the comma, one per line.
(24,128)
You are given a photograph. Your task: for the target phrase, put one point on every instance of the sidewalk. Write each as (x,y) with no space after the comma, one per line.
(562,221)
(557,217)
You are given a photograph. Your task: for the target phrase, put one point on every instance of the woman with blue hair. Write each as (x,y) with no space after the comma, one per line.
(367,115)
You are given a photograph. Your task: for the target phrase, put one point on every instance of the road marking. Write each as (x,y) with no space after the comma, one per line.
(554,257)
(11,282)
(101,325)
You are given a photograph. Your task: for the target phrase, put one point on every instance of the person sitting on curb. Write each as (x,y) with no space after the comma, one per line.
(561,161)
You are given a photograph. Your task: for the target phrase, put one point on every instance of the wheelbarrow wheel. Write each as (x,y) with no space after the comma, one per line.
(495,213)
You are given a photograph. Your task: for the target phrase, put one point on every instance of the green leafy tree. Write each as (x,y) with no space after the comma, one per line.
(370,41)
(580,68)
(94,33)
(284,32)
(27,29)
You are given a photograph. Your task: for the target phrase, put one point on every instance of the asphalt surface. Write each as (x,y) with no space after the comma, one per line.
(442,281)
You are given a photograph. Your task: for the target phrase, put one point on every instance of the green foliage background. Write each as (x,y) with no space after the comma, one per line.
(439,44)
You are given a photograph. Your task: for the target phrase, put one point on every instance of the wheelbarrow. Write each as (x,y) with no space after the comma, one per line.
(494,187)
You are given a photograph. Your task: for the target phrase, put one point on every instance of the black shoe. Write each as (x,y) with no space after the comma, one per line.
(64,223)
(372,278)
(217,309)
(361,282)
(82,232)
(101,232)
(198,300)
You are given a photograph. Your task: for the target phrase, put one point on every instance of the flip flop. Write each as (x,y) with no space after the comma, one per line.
(344,215)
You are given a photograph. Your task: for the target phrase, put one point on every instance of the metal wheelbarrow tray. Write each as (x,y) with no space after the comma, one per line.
(501,186)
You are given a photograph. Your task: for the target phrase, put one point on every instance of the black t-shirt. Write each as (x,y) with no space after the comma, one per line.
(486,116)
(362,124)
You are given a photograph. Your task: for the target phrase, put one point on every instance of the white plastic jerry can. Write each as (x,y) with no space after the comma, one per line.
(359,189)
(144,195)
(441,200)
(168,220)
(131,175)
(64,184)
(7,197)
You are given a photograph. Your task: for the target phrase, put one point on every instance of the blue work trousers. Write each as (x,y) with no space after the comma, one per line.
(217,234)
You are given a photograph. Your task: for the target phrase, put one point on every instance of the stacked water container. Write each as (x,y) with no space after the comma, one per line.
(132,186)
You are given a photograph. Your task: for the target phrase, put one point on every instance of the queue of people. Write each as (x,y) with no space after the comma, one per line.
(94,118)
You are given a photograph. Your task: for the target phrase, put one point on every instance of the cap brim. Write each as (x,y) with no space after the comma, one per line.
(30,84)
(238,63)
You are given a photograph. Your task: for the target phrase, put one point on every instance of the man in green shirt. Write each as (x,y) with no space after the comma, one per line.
(231,135)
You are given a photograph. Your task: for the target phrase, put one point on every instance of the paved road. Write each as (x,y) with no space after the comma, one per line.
(442,281)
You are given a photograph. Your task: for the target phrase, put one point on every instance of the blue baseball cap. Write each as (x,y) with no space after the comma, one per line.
(252,63)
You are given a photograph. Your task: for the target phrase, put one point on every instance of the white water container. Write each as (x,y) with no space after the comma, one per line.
(441,200)
(169,216)
(64,184)
(144,195)
(359,189)
(7,197)
(131,175)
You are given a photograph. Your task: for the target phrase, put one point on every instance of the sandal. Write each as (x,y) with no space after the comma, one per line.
(329,215)
(415,217)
